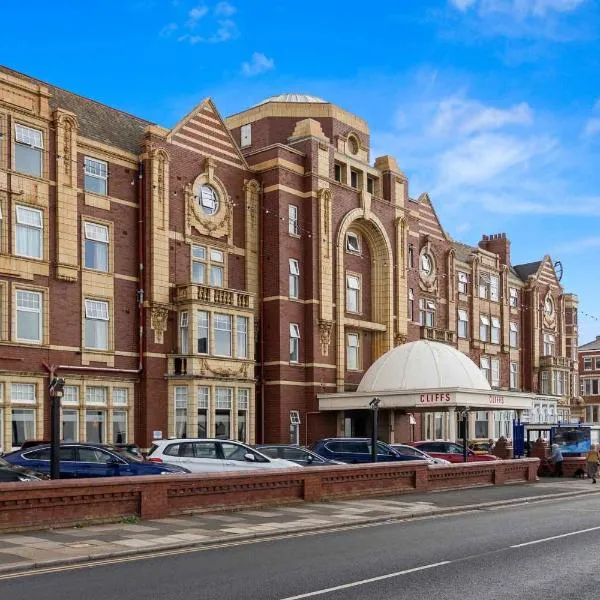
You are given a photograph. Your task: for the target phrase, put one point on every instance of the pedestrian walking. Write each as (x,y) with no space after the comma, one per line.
(591,462)
(557,460)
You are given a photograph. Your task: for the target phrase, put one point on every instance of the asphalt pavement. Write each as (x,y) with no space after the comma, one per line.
(544,549)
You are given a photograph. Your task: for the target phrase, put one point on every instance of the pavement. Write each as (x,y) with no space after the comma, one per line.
(127,538)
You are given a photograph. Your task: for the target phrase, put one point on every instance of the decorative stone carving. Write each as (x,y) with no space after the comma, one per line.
(158,322)
(427,269)
(325,328)
(549,311)
(324,196)
(225,372)
(400,338)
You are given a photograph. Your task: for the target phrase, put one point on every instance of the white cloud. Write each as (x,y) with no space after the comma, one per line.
(196,14)
(225,9)
(592,127)
(519,8)
(258,64)
(227,31)
(168,30)
(457,113)
(578,245)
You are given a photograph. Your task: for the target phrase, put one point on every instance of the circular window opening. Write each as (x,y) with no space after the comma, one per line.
(208,200)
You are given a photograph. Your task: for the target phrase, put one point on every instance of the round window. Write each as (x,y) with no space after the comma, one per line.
(208,200)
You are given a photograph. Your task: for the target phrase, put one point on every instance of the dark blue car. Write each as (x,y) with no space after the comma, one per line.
(357,450)
(89,460)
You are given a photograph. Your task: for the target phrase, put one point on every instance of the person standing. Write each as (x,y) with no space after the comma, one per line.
(591,461)
(557,460)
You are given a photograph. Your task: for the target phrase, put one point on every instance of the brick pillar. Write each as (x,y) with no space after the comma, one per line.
(421,478)
(313,491)
(154,502)
(500,475)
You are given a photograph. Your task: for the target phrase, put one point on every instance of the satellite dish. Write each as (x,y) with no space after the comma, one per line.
(558,268)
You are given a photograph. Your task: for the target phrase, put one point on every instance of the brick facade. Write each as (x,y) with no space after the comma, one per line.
(154,267)
(589,381)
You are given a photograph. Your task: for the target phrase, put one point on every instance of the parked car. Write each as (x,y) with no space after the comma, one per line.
(132,449)
(213,455)
(450,451)
(10,472)
(412,451)
(301,456)
(88,460)
(481,447)
(357,450)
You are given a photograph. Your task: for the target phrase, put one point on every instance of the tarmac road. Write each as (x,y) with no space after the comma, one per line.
(543,550)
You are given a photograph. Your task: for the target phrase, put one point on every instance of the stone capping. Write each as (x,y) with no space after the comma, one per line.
(69,502)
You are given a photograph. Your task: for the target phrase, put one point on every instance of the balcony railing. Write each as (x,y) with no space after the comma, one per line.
(560,362)
(213,295)
(437,335)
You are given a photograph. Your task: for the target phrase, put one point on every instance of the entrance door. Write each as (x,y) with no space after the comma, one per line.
(357,423)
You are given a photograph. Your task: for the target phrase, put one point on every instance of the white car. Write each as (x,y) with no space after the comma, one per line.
(412,451)
(214,456)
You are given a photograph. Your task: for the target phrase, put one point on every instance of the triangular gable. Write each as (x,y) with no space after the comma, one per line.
(546,273)
(429,222)
(204,131)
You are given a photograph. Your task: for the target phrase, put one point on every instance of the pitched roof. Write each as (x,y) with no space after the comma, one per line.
(524,271)
(594,345)
(97,121)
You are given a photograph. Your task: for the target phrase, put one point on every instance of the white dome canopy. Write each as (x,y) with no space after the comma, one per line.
(293,98)
(423,365)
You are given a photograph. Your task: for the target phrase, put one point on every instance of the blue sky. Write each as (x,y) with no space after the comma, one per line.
(492,106)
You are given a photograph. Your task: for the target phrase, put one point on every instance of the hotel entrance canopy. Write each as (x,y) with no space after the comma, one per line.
(425,376)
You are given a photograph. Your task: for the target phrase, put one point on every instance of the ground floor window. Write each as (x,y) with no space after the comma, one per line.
(95,426)
(119,426)
(23,425)
(223,402)
(70,425)
(243,401)
(438,422)
(503,420)
(481,424)
(181,402)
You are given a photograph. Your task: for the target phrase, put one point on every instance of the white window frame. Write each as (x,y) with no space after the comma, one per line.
(293,220)
(120,396)
(96,395)
(484,365)
(427,312)
(588,363)
(353,351)
(96,233)
(463,324)
(411,304)
(39,310)
(513,297)
(294,343)
(462,282)
(484,328)
(353,291)
(70,395)
(495,372)
(484,286)
(34,139)
(514,375)
(241,337)
(30,227)
(246,135)
(549,344)
(184,337)
(495,330)
(181,406)
(202,330)
(294,279)
(494,288)
(545,382)
(222,325)
(513,334)
(23,393)
(96,169)
(96,311)
(211,261)
(353,243)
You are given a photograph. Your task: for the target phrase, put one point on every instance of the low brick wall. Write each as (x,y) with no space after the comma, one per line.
(63,503)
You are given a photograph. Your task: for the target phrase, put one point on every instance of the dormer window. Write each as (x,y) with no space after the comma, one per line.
(353,242)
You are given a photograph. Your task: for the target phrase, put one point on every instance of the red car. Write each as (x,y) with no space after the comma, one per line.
(451,451)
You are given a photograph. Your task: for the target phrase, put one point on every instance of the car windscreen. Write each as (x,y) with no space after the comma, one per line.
(125,455)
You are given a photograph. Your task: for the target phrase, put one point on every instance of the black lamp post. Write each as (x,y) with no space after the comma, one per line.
(374,404)
(56,387)
(465,424)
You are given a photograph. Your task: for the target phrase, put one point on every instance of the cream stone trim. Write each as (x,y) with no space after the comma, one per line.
(96,285)
(109,153)
(155,355)
(42,206)
(277,145)
(300,383)
(203,145)
(123,353)
(286,363)
(126,277)
(278,163)
(287,299)
(111,243)
(367,325)
(64,348)
(284,188)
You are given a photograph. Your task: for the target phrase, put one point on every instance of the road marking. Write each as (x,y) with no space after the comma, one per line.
(345,586)
(555,537)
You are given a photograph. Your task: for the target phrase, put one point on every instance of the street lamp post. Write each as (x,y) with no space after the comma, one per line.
(374,404)
(56,391)
(465,423)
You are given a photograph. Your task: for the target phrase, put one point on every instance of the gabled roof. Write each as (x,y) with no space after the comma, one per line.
(97,121)
(524,271)
(594,345)
(427,210)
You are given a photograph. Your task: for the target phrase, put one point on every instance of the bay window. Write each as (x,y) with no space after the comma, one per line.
(243,402)
(241,345)
(223,402)
(203,396)
(222,334)
(202,341)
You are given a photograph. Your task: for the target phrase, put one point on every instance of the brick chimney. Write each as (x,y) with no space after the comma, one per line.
(499,244)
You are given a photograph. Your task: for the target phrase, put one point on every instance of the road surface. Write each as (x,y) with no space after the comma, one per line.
(541,550)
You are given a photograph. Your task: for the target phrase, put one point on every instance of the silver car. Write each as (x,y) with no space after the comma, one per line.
(412,451)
